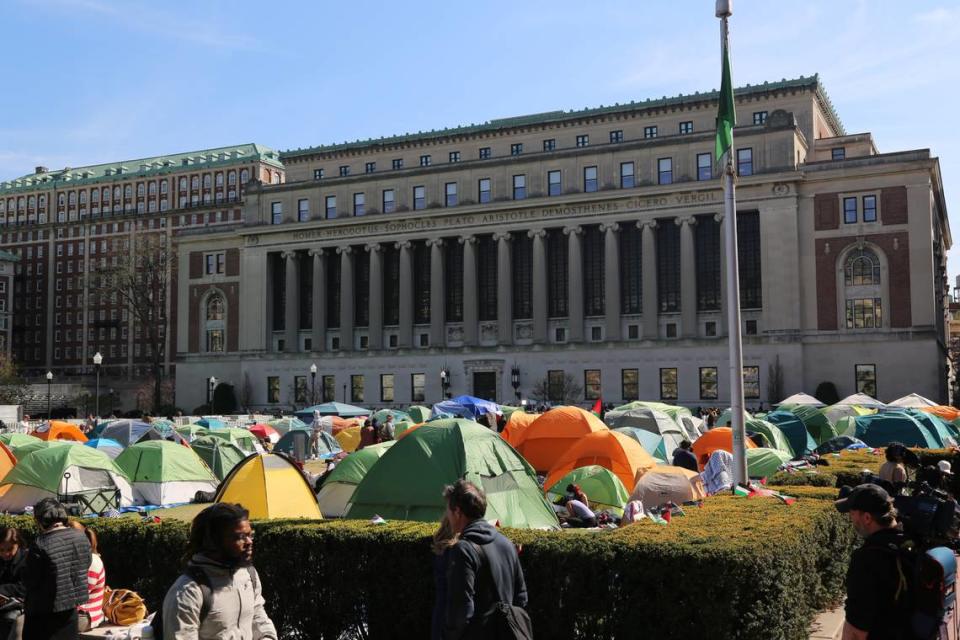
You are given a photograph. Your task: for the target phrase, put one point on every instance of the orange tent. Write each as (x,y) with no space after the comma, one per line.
(947,413)
(7,460)
(549,436)
(718,438)
(59,430)
(619,453)
(516,423)
(339,424)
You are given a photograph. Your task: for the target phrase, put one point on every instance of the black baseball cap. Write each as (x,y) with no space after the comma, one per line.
(869,498)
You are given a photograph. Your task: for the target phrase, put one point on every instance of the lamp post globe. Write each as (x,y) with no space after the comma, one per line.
(49,382)
(313,383)
(97,361)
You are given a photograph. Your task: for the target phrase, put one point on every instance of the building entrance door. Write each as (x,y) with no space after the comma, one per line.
(485,385)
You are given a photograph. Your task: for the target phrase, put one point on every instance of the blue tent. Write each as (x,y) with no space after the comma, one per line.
(331,409)
(796,432)
(110,447)
(128,432)
(935,425)
(650,441)
(212,423)
(881,429)
(465,407)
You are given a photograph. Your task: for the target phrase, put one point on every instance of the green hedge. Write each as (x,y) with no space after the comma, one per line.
(733,568)
(846,468)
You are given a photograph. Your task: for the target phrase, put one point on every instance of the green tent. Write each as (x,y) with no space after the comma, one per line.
(796,432)
(165,473)
(400,427)
(846,426)
(218,454)
(338,488)
(816,421)
(16,440)
(193,431)
(240,437)
(727,416)
(407,483)
(418,413)
(763,462)
(27,448)
(603,488)
(652,442)
(881,429)
(774,436)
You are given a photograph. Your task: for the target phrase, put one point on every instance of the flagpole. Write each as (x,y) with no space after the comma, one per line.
(724,9)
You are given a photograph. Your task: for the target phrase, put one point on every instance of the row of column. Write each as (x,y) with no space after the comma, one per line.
(650,300)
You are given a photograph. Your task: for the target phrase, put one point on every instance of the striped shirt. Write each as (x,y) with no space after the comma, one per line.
(96,580)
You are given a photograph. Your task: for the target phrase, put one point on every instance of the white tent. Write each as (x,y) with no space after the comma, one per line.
(912,401)
(801,398)
(649,420)
(863,400)
(693,426)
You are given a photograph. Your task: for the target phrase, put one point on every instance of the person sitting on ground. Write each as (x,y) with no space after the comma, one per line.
(55,578)
(219,554)
(580,516)
(893,470)
(574,491)
(683,456)
(90,613)
(13,561)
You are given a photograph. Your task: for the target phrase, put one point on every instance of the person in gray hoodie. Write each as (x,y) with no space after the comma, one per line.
(468,594)
(219,594)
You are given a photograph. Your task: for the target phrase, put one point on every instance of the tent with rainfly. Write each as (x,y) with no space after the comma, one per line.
(718,438)
(441,455)
(550,435)
(419,413)
(817,423)
(672,410)
(219,455)
(129,432)
(942,434)
(883,428)
(617,452)
(775,438)
(331,409)
(191,432)
(912,401)
(516,423)
(59,430)
(863,400)
(296,444)
(65,471)
(240,437)
(348,439)
(270,486)
(110,447)
(726,418)
(338,488)
(649,419)
(800,439)
(800,399)
(763,462)
(165,473)
(651,442)
(282,425)
(836,411)
(15,440)
(603,488)
(7,461)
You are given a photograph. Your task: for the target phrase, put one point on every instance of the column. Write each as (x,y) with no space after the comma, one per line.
(504,289)
(539,285)
(611,279)
(651,329)
(688,278)
(575,282)
(375,330)
(722,325)
(406,294)
(292,302)
(319,310)
(346,298)
(437,294)
(470,317)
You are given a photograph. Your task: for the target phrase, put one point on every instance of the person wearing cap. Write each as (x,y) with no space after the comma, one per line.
(871,608)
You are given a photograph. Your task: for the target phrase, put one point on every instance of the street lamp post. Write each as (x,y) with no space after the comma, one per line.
(97,361)
(313,384)
(49,382)
(515,380)
(211,397)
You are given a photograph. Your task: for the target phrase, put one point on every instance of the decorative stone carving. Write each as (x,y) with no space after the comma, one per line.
(652,224)
(455,334)
(524,331)
(535,233)
(575,230)
(253,241)
(403,244)
(374,247)
(488,331)
(781,189)
(502,235)
(609,226)
(344,250)
(467,240)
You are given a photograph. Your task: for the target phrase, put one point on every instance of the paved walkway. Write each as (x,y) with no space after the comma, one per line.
(828,625)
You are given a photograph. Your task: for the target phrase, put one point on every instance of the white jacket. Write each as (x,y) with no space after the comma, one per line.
(236,606)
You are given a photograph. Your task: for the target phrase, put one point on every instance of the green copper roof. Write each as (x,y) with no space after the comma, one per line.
(158,165)
(803,82)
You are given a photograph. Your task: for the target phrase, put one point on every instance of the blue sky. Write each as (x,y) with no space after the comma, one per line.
(92,81)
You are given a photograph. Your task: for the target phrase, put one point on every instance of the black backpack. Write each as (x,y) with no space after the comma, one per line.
(199,576)
(926,583)
(501,620)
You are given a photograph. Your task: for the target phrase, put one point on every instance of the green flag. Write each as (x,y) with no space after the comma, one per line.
(726,114)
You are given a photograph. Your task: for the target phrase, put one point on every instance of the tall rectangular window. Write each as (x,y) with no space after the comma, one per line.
(850,210)
(273,389)
(391,285)
(628,178)
(519,187)
(484,153)
(454,156)
(419,198)
(453,268)
(521,247)
(630,384)
(686,127)
(425,160)
(864,313)
(556,385)
(386,387)
(668,383)
(668,267)
(707,257)
(389,201)
(516,148)
(759,117)
(370,167)
(418,384)
(631,261)
(421,283)
(331,206)
(869,208)
(397,163)
(303,210)
(333,292)
(300,393)
(866,378)
(583,140)
(704,166)
(708,383)
(318,174)
(486,277)
(751,383)
(616,136)
(591,384)
(483,190)
(361,290)
(329,388)
(554,187)
(356,388)
(748,253)
(593,271)
(650,132)
(359,204)
(745,162)
(276,214)
(590,183)
(665,171)
(549,144)
(557,274)
(450,194)
(344,170)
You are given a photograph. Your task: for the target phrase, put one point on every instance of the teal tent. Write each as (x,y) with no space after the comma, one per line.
(816,422)
(652,442)
(407,482)
(775,438)
(881,429)
(800,439)
(763,462)
(936,425)
(419,413)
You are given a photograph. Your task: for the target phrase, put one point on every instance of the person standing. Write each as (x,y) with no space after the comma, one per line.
(873,578)
(483,567)
(55,579)
(388,431)
(220,561)
(684,457)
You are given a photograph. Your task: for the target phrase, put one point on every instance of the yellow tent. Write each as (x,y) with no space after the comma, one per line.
(270,486)
(349,438)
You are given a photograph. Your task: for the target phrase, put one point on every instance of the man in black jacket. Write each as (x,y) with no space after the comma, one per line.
(684,457)
(470,591)
(56,576)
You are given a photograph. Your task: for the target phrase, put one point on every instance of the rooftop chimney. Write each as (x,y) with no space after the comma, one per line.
(40,170)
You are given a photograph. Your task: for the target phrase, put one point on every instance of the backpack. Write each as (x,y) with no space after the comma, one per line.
(926,585)
(501,620)
(199,576)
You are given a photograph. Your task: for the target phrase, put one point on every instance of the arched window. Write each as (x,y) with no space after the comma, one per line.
(862,291)
(232,177)
(862,268)
(128,191)
(219,179)
(183,184)
(214,324)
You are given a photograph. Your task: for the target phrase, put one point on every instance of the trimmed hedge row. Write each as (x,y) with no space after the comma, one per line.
(845,469)
(732,568)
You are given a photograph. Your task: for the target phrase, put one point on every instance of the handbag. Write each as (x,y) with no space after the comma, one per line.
(123,607)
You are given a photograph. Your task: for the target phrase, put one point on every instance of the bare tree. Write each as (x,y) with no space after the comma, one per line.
(13,389)
(141,280)
(565,390)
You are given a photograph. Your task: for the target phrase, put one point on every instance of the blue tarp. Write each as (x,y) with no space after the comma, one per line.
(212,423)
(465,407)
